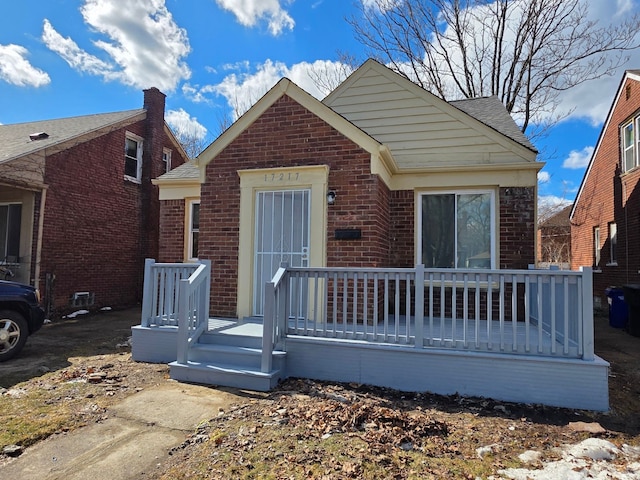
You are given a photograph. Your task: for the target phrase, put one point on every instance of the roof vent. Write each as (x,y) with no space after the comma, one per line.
(38,136)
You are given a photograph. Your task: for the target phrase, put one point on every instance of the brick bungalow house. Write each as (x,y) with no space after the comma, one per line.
(605,220)
(78,212)
(381,173)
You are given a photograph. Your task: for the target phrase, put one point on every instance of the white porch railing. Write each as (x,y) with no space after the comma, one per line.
(193,309)
(160,291)
(530,312)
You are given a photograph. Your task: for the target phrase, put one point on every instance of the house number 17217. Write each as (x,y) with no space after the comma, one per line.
(281,177)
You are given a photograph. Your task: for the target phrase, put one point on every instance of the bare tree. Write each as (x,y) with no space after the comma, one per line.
(526,52)
(327,79)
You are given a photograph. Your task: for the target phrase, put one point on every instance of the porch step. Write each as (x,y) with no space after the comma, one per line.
(224,375)
(236,355)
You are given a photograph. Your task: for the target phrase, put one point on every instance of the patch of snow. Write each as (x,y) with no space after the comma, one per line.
(105,309)
(75,314)
(589,459)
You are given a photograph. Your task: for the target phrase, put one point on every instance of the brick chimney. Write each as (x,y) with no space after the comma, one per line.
(152,167)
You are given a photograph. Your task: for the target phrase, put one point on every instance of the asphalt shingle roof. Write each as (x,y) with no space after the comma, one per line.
(491,112)
(15,142)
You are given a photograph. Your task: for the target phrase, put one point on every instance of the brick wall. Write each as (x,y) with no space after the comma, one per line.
(99,227)
(289,135)
(517,227)
(609,196)
(172,215)
(402,248)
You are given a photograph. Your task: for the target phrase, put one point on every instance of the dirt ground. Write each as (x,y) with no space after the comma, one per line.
(94,349)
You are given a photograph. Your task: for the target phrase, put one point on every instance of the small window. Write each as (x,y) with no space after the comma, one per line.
(194,229)
(10,219)
(613,243)
(596,246)
(133,158)
(166,159)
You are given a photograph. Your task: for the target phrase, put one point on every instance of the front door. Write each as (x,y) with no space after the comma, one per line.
(281,235)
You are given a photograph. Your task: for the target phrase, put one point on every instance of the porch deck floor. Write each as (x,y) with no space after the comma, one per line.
(446,333)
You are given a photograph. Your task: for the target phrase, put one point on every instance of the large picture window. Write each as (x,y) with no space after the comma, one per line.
(10,218)
(457,230)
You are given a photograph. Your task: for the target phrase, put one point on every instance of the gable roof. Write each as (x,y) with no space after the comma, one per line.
(422,130)
(287,87)
(628,75)
(15,141)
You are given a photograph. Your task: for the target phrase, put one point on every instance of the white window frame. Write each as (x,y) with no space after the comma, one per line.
(191,230)
(494,237)
(596,246)
(613,244)
(166,159)
(139,149)
(632,147)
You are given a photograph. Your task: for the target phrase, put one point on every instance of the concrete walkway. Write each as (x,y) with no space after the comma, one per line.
(131,444)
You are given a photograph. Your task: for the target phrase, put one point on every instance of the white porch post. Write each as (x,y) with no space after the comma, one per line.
(267,326)
(419,307)
(147,293)
(587,313)
(183,320)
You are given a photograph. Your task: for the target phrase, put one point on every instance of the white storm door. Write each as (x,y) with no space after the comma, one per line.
(281,235)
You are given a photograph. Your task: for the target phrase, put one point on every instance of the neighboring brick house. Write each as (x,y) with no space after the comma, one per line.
(605,220)
(381,173)
(78,211)
(554,240)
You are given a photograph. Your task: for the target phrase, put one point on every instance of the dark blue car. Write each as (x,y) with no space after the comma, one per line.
(20,316)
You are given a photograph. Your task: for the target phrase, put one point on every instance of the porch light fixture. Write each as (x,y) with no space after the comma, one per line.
(331,197)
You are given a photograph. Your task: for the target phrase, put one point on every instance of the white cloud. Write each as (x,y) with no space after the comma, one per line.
(243,89)
(184,125)
(250,12)
(551,204)
(144,48)
(71,53)
(578,159)
(543,177)
(16,69)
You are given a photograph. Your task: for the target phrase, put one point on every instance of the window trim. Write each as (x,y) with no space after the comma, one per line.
(493,221)
(190,230)
(139,149)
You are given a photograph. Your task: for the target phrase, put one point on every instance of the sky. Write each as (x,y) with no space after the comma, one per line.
(213,58)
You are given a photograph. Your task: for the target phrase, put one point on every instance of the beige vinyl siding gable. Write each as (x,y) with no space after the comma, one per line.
(420,129)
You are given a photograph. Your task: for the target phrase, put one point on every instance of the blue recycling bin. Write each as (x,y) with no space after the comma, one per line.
(618,311)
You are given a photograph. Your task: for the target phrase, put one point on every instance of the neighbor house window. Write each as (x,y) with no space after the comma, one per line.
(628,146)
(457,230)
(194,229)
(133,158)
(596,246)
(613,243)
(10,218)
(166,159)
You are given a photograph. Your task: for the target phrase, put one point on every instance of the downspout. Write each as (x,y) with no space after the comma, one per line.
(43,199)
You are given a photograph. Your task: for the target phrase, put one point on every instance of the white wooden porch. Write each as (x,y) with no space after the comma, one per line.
(475,332)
